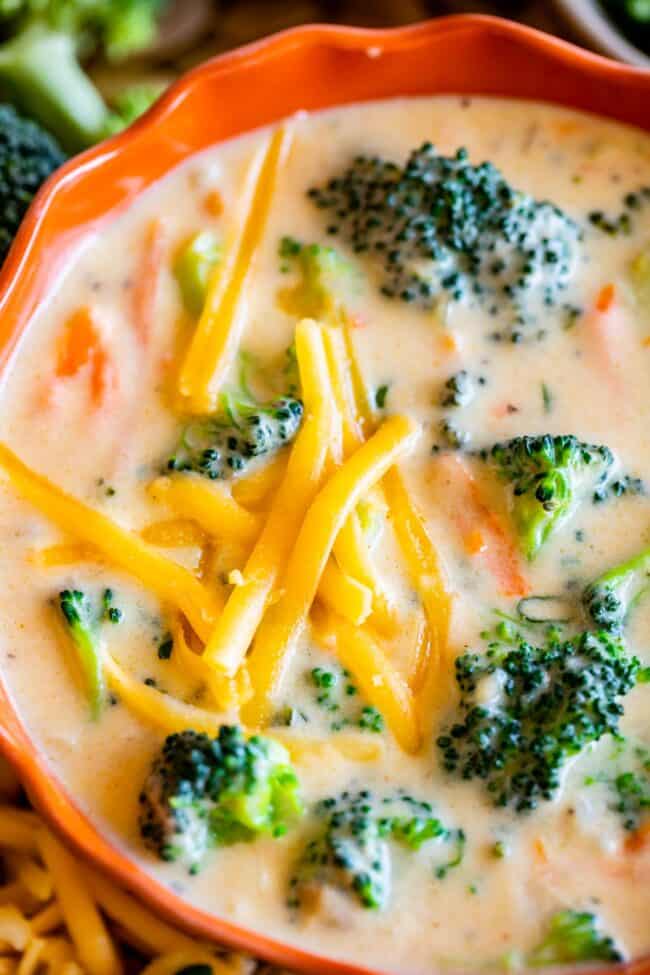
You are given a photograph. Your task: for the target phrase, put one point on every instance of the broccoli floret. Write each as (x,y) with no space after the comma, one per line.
(458,390)
(351,852)
(28,155)
(442,227)
(221,446)
(193,269)
(40,71)
(550,476)
(609,598)
(632,789)
(574,936)
(525,709)
(206,792)
(80,621)
(325,280)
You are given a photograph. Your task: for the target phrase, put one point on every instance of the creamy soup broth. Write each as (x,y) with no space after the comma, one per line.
(518,870)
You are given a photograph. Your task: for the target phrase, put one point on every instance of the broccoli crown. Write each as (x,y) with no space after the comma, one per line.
(220,447)
(28,155)
(442,226)
(524,709)
(608,599)
(351,852)
(550,476)
(203,792)
(574,936)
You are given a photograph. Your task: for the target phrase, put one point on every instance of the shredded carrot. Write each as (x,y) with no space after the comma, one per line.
(474,542)
(646,342)
(81,345)
(213,203)
(539,849)
(605,298)
(145,287)
(474,518)
(639,840)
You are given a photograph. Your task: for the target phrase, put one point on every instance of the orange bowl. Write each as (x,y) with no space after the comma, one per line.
(306,68)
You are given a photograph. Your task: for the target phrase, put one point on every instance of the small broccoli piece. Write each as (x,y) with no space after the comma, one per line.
(206,792)
(40,70)
(441,227)
(81,625)
(28,155)
(460,839)
(550,476)
(610,597)
(633,795)
(459,390)
(220,447)
(325,280)
(574,936)
(525,709)
(348,854)
(193,269)
(111,612)
(452,436)
(351,851)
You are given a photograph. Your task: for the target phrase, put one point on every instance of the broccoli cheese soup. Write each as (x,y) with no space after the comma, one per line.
(326,534)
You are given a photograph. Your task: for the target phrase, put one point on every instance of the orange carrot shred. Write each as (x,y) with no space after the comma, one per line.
(213,203)
(80,345)
(539,848)
(639,840)
(145,288)
(475,520)
(605,298)
(474,542)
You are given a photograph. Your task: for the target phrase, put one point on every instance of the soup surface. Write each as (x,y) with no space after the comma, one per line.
(467,719)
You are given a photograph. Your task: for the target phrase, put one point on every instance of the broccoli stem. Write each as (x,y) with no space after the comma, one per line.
(77,615)
(40,73)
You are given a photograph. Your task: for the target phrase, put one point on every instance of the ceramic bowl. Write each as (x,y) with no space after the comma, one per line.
(307,68)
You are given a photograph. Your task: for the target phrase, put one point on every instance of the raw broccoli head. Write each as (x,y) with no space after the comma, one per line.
(28,155)
(442,227)
(608,599)
(203,792)
(525,709)
(574,936)
(550,476)
(351,849)
(40,72)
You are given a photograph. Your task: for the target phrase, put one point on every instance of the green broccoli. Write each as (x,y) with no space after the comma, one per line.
(221,446)
(80,621)
(28,155)
(574,936)
(40,70)
(206,792)
(459,390)
(526,708)
(550,476)
(326,280)
(610,597)
(350,851)
(193,268)
(442,228)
